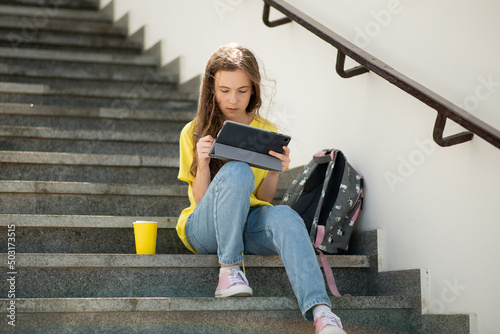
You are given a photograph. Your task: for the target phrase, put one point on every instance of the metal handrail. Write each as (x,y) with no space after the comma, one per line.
(445,109)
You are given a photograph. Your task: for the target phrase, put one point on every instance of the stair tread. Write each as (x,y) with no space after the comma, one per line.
(92,112)
(80,221)
(176,304)
(84,188)
(100,135)
(25,72)
(78,56)
(98,189)
(73,4)
(82,159)
(141,93)
(49,39)
(60,13)
(24,20)
(64,260)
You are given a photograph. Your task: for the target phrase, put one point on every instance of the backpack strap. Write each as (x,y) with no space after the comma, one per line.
(324,156)
(326,266)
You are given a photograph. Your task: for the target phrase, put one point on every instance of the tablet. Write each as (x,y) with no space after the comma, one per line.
(236,141)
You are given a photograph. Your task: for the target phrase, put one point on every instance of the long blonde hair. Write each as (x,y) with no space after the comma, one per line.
(209,118)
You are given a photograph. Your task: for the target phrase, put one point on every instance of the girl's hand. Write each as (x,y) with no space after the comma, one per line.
(284,157)
(202,147)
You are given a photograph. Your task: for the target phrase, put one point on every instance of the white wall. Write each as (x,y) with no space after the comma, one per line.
(436,206)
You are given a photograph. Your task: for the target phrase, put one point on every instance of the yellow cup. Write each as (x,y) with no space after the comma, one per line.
(145,237)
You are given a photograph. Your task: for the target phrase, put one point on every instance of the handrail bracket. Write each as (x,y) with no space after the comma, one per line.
(275,23)
(458,138)
(350,72)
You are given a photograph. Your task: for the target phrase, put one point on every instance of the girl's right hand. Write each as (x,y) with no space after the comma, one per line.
(202,147)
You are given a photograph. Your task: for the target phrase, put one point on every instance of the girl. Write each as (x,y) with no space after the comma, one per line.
(230,212)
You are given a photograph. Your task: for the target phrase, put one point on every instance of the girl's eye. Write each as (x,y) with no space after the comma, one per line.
(224,91)
(243,91)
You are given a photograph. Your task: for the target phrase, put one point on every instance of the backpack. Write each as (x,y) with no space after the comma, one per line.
(328,195)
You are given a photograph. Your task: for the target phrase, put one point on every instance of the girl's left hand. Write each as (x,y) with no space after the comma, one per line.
(284,157)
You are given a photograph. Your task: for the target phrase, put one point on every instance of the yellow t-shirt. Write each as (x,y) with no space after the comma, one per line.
(186,143)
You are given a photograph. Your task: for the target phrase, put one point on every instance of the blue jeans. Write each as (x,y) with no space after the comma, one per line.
(223,223)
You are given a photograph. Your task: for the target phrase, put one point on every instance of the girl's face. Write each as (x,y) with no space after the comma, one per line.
(233,90)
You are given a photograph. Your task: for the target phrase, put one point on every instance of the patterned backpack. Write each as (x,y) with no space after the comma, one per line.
(328,195)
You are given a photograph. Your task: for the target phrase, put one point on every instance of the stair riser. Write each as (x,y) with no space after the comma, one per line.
(114,102)
(446,323)
(128,85)
(224,322)
(124,116)
(88,240)
(396,283)
(56,204)
(42,21)
(34,38)
(80,123)
(208,322)
(105,67)
(73,4)
(87,282)
(94,174)
(88,146)
(145,91)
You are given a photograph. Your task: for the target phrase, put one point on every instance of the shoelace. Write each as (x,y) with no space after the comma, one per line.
(235,277)
(331,319)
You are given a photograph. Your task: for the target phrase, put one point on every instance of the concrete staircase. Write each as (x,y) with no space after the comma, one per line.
(89,126)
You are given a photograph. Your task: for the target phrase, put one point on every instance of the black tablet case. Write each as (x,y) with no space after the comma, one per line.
(249,144)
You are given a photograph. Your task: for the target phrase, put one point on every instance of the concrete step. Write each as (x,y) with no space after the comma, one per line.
(53,58)
(448,323)
(142,93)
(73,42)
(114,235)
(173,116)
(68,75)
(53,5)
(78,198)
(106,119)
(86,234)
(29,23)
(266,315)
(95,168)
(16,138)
(141,97)
(162,275)
(33,19)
